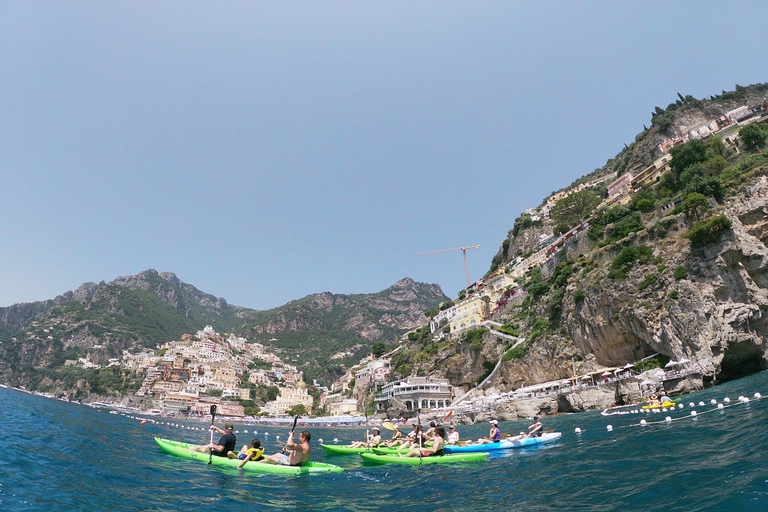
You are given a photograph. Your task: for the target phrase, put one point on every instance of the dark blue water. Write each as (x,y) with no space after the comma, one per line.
(61,456)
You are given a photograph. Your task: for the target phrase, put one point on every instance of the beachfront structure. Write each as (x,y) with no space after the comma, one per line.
(415,393)
(342,407)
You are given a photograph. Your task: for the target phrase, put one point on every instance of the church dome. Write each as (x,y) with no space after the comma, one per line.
(301,385)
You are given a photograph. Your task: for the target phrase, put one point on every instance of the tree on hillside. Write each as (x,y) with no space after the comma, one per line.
(378,348)
(752,136)
(573,209)
(694,204)
(684,155)
(297,410)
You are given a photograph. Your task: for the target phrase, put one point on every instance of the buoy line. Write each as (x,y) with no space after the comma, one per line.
(694,414)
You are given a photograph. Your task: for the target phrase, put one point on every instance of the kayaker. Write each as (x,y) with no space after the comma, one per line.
(226,443)
(453,436)
(535,429)
(431,430)
(663,398)
(396,438)
(438,443)
(372,441)
(412,439)
(254,453)
(494,436)
(299,452)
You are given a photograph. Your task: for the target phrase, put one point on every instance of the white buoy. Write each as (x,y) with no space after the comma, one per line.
(691,404)
(266,433)
(727,400)
(609,427)
(245,431)
(720,406)
(277,438)
(643,423)
(679,406)
(663,409)
(577,430)
(713,401)
(668,419)
(701,404)
(320,440)
(693,414)
(758,395)
(335,439)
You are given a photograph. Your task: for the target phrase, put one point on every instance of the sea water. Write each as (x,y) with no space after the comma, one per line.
(65,456)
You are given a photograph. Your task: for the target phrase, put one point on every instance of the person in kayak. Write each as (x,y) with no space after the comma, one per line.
(254,453)
(535,429)
(373,441)
(494,436)
(453,436)
(299,452)
(226,443)
(396,439)
(437,448)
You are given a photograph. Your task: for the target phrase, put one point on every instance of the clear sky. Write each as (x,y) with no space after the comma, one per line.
(265,151)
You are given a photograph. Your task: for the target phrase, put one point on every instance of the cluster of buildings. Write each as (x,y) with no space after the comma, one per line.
(200,370)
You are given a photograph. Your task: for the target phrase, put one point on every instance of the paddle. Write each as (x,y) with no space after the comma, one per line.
(210,452)
(419,417)
(295,420)
(447,416)
(387,425)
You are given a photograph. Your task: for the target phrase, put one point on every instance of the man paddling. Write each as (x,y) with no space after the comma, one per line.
(225,446)
(536,428)
(299,452)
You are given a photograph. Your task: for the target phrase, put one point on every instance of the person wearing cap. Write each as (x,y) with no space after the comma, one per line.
(453,436)
(535,429)
(226,445)
(494,436)
(373,440)
(431,430)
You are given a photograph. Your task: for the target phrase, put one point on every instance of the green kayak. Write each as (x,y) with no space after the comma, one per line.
(345,449)
(416,461)
(182,450)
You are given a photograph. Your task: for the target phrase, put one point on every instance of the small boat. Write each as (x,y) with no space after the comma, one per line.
(419,461)
(506,444)
(182,450)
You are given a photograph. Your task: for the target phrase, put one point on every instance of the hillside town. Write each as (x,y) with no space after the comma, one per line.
(187,376)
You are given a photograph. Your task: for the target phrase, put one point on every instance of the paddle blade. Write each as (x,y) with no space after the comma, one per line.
(387,425)
(448,415)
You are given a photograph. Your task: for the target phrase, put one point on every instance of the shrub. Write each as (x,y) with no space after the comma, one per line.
(578,296)
(629,224)
(647,281)
(673,295)
(705,232)
(538,289)
(681,272)
(516,353)
(634,253)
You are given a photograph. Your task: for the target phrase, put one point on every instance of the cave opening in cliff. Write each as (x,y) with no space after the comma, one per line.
(736,369)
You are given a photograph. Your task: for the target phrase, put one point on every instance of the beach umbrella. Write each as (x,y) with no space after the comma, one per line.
(629,365)
(671,363)
(683,361)
(586,377)
(605,374)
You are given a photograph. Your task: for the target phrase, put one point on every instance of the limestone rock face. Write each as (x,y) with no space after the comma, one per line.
(719,320)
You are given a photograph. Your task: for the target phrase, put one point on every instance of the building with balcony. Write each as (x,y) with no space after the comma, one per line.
(415,393)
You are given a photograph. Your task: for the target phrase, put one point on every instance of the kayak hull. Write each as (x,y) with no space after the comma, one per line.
(335,449)
(182,450)
(506,444)
(416,461)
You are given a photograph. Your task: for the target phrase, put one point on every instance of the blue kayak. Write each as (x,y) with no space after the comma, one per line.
(506,444)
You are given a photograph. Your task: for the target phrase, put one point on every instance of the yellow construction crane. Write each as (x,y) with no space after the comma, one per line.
(462,249)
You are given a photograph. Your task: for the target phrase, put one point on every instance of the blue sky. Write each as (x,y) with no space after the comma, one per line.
(264,151)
